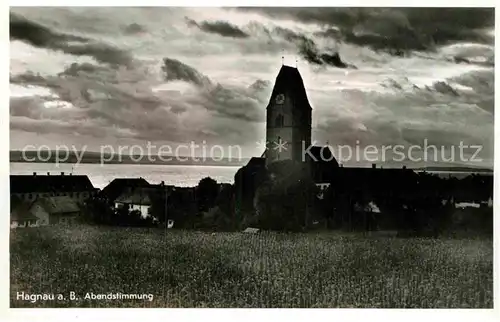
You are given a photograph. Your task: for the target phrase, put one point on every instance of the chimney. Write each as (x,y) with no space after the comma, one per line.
(62,173)
(34,174)
(404,167)
(48,173)
(374,165)
(162,184)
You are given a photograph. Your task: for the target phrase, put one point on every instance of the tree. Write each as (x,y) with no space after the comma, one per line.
(206,193)
(285,202)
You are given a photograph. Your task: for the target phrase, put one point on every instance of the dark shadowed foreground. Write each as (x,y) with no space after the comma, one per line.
(195,269)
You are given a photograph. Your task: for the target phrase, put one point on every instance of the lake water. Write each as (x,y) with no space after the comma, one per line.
(101,175)
(178,175)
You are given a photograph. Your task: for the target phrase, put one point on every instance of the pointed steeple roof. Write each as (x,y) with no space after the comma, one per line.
(290,81)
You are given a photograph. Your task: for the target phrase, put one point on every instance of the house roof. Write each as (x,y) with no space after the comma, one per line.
(58,205)
(119,186)
(49,183)
(139,196)
(161,187)
(21,211)
(376,172)
(377,178)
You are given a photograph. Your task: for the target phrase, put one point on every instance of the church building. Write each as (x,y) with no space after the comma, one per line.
(288,137)
(288,127)
(351,191)
(289,115)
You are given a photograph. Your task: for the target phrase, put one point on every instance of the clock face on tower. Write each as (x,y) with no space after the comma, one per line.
(280,99)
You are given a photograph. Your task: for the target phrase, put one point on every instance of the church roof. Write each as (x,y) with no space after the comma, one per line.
(323,154)
(257,162)
(289,80)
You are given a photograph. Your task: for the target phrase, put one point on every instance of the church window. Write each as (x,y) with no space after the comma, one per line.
(278,142)
(279,121)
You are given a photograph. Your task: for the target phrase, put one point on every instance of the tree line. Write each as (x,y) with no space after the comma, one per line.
(291,201)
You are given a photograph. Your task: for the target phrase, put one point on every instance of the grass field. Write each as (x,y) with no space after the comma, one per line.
(195,269)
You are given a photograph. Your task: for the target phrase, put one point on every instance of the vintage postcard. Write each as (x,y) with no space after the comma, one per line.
(251,157)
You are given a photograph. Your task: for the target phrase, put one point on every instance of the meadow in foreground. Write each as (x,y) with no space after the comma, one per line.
(195,269)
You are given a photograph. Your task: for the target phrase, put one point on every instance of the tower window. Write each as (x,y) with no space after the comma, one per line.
(279,121)
(279,143)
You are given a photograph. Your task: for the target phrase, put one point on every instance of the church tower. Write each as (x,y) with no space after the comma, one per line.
(288,118)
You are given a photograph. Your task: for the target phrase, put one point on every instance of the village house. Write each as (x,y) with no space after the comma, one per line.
(20,215)
(144,198)
(136,200)
(56,210)
(30,187)
(120,186)
(43,211)
(23,219)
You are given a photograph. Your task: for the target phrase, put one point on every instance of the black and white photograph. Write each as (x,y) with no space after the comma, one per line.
(251,157)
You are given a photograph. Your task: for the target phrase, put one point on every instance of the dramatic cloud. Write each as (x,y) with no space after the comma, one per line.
(116,101)
(260,86)
(222,28)
(41,36)
(396,30)
(134,28)
(131,75)
(232,102)
(309,50)
(176,70)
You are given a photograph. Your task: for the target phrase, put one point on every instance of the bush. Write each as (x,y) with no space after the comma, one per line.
(98,211)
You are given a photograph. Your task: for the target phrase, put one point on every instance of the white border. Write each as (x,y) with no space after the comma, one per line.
(496,181)
(252,315)
(223,314)
(264,3)
(4,166)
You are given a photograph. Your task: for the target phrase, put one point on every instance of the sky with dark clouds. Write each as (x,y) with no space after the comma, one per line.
(124,76)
